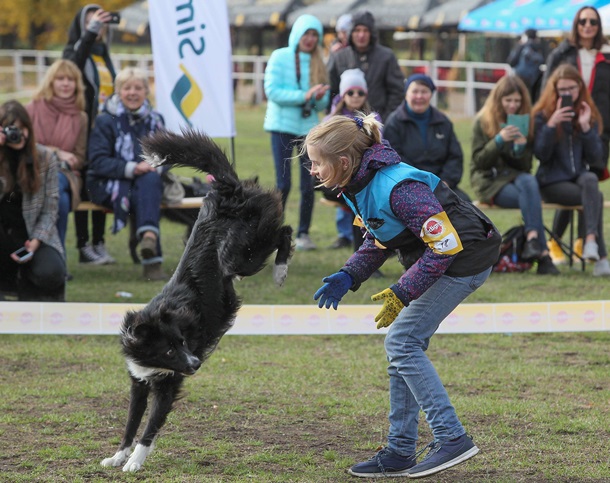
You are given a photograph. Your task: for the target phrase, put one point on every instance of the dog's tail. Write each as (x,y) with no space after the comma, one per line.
(193,149)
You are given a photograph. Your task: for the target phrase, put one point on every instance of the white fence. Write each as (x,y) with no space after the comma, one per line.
(461,85)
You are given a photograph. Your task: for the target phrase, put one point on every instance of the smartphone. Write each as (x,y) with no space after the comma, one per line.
(23,255)
(566,100)
(115,17)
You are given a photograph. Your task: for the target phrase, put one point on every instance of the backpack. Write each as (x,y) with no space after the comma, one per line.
(528,67)
(511,248)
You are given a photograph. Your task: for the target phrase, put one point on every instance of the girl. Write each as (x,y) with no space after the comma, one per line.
(568,145)
(28,211)
(117,177)
(296,86)
(58,116)
(352,98)
(586,49)
(451,246)
(501,165)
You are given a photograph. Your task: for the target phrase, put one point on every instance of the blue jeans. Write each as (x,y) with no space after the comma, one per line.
(524,193)
(65,203)
(414,383)
(282,145)
(345,221)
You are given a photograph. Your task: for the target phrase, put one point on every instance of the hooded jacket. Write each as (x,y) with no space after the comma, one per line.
(383,75)
(81,44)
(286,90)
(411,211)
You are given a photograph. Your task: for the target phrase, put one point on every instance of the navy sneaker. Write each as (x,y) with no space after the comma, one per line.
(385,463)
(444,455)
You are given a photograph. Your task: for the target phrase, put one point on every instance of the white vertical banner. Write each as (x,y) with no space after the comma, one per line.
(191,48)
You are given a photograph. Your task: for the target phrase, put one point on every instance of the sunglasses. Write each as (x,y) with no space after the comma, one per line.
(359,92)
(593,21)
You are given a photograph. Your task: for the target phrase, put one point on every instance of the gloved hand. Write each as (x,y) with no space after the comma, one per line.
(392,306)
(334,288)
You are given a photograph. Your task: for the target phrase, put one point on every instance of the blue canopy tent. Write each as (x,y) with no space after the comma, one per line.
(515,16)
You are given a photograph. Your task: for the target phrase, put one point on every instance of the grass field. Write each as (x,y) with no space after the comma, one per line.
(304,409)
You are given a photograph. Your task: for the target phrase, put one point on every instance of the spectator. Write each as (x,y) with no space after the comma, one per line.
(568,144)
(343,28)
(28,211)
(118,178)
(451,246)
(502,162)
(351,100)
(423,136)
(88,48)
(381,70)
(586,49)
(526,58)
(60,122)
(296,86)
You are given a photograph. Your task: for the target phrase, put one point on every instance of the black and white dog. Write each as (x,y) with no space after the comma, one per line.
(239,226)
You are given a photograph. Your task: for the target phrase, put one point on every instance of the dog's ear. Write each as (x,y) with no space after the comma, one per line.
(285,249)
(133,329)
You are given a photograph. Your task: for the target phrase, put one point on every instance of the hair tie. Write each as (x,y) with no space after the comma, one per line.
(359,122)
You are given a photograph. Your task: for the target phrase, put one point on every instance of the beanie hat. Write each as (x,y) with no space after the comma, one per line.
(352,79)
(423,78)
(365,18)
(344,23)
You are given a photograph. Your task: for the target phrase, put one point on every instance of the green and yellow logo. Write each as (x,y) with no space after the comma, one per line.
(186,95)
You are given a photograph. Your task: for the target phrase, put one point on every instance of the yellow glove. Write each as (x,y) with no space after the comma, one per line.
(391,307)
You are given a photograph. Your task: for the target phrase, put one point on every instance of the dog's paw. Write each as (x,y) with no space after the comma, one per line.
(137,458)
(280,272)
(118,459)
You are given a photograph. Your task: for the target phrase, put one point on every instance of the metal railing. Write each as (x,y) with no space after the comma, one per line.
(21,71)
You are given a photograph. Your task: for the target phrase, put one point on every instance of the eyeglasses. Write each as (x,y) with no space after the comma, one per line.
(592,21)
(359,92)
(568,90)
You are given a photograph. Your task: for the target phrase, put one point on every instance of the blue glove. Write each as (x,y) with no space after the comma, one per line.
(334,288)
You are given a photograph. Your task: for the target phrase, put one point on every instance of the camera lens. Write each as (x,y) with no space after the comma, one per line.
(13,134)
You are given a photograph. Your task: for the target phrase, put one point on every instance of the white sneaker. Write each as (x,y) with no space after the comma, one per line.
(590,251)
(88,255)
(601,268)
(100,250)
(303,242)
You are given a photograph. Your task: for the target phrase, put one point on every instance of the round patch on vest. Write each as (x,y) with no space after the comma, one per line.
(433,227)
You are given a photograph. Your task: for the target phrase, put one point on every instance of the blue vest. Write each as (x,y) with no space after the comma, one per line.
(373,201)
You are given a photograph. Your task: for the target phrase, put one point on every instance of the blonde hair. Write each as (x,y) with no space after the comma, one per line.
(130,73)
(342,136)
(62,67)
(492,114)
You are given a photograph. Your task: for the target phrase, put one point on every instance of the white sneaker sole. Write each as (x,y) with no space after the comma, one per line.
(379,475)
(456,461)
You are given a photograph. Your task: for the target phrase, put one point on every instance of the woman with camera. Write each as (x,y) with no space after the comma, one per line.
(296,86)
(31,255)
(60,122)
(567,142)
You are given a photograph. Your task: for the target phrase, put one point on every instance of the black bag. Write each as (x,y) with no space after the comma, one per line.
(528,67)
(511,249)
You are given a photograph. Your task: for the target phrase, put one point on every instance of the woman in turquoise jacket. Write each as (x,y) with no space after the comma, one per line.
(296,86)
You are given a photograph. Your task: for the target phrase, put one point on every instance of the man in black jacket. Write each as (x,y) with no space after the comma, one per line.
(383,75)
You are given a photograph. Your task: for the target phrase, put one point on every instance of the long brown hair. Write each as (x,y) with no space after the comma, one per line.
(492,114)
(547,103)
(28,172)
(599,39)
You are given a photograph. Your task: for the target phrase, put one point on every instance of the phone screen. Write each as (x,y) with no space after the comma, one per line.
(23,255)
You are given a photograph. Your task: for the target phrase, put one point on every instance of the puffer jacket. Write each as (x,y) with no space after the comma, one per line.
(285,93)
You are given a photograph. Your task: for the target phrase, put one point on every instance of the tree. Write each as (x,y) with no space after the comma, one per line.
(40,24)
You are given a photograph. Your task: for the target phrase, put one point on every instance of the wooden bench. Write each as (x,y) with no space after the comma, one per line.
(185,203)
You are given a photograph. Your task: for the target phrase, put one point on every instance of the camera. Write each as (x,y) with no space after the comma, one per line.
(13,134)
(115,18)
(307,108)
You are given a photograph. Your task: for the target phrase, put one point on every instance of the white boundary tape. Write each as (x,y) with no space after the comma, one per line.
(105,319)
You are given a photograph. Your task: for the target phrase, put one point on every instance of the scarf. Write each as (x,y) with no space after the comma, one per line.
(131,125)
(56,122)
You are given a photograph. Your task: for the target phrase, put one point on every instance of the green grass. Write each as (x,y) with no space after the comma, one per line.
(253,158)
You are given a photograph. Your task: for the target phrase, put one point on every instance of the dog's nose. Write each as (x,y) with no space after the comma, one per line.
(194,363)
